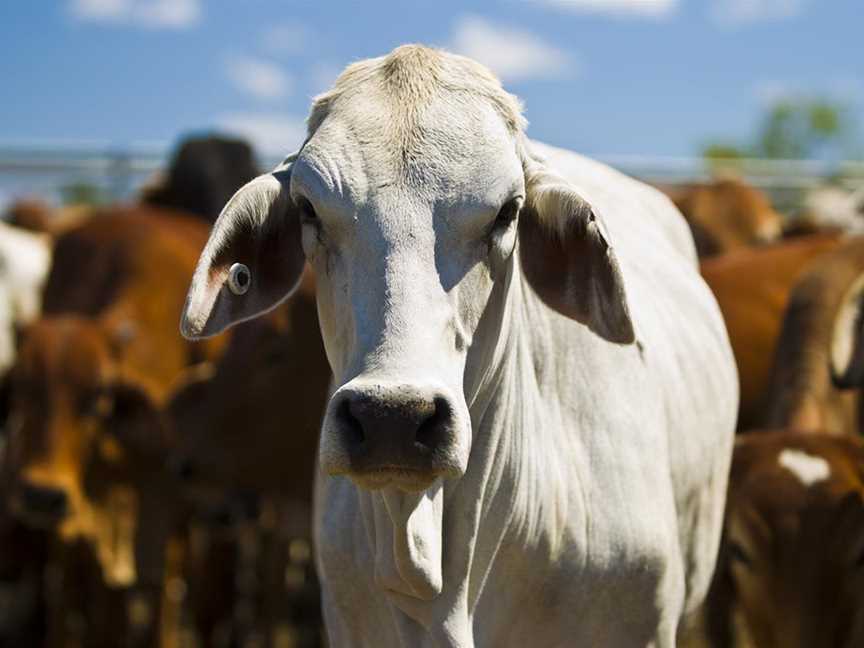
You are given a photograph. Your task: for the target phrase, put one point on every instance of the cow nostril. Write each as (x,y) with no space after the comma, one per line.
(432,432)
(353,428)
(44,500)
(182,467)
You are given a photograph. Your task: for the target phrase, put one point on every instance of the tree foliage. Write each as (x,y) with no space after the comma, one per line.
(82,193)
(800,129)
(793,129)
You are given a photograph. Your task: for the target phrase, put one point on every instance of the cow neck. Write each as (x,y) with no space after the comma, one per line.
(800,393)
(514,458)
(504,494)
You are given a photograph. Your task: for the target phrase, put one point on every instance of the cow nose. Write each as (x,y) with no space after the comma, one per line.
(395,429)
(182,467)
(44,501)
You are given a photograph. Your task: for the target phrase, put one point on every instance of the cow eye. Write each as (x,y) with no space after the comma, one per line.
(307,212)
(508,212)
(98,404)
(737,554)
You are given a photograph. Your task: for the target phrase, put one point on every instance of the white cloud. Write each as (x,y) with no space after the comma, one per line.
(99,10)
(623,8)
(262,79)
(743,12)
(286,38)
(152,14)
(513,54)
(270,133)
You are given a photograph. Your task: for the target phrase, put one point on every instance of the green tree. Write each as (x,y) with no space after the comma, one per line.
(803,128)
(82,193)
(793,129)
(723,156)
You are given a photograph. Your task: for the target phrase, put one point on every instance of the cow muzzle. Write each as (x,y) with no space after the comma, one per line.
(400,435)
(41,506)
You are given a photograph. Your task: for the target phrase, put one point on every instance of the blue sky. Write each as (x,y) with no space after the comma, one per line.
(605,77)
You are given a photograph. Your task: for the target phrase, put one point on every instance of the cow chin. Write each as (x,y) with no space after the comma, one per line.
(407,481)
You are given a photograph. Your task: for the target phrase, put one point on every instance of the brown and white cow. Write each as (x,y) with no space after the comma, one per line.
(87,440)
(727,214)
(791,567)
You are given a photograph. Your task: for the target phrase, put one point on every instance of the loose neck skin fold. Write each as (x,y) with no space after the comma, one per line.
(504,491)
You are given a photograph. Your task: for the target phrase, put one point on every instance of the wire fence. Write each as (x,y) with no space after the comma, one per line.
(116,174)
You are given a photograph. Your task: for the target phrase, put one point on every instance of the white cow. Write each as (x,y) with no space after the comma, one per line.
(534,404)
(24,261)
(832,207)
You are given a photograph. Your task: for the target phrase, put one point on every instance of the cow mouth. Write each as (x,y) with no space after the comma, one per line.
(40,520)
(410,480)
(38,508)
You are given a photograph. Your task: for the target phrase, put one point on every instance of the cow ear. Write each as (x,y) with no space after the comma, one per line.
(567,256)
(252,261)
(847,339)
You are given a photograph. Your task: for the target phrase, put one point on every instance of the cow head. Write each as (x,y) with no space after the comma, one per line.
(278,351)
(408,198)
(422,210)
(81,433)
(728,214)
(791,567)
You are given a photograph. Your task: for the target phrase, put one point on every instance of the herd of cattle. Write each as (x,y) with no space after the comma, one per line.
(158,491)
(145,495)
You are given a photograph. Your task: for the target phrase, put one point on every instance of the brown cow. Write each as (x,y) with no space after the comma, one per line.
(242,442)
(267,360)
(22,582)
(88,443)
(38,216)
(752,288)
(801,394)
(790,572)
(727,214)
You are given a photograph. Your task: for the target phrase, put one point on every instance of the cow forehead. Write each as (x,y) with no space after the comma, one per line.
(420,117)
(69,352)
(444,155)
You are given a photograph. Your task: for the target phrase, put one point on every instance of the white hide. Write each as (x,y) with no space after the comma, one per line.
(808,469)
(591,403)
(835,207)
(24,262)
(591,509)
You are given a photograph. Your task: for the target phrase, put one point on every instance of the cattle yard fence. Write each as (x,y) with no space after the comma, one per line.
(110,173)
